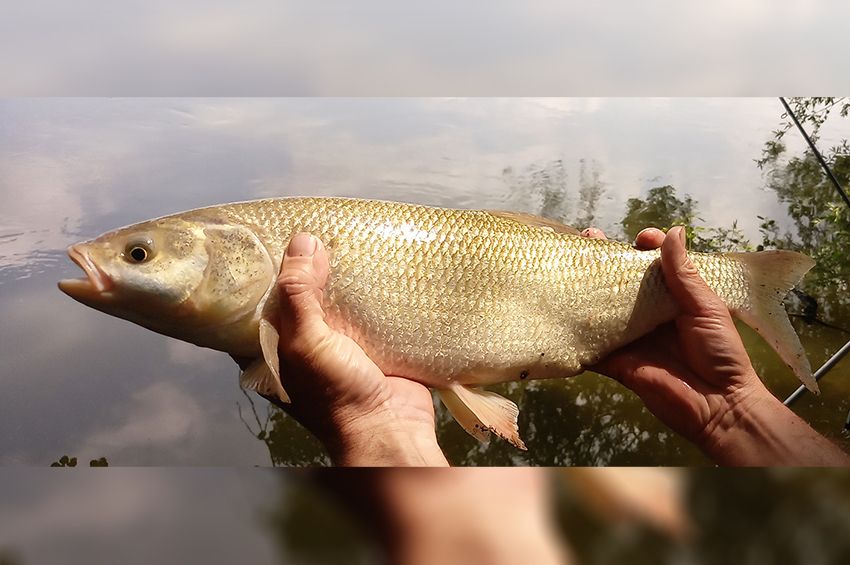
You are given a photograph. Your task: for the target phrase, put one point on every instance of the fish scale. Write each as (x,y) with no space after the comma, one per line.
(502,292)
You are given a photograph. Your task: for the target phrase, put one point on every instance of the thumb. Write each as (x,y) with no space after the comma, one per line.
(303,275)
(682,278)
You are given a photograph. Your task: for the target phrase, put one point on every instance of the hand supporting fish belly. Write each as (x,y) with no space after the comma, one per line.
(452,299)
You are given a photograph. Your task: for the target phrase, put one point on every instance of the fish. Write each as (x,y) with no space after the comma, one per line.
(454,299)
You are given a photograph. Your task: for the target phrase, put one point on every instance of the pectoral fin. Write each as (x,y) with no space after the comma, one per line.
(480,412)
(263,375)
(258,377)
(269,338)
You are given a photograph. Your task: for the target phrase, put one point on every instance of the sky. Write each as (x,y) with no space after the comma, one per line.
(383,48)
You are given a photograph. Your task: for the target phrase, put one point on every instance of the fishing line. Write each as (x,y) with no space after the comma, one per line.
(846,349)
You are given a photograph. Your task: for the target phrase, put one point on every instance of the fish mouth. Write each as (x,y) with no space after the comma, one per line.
(95,282)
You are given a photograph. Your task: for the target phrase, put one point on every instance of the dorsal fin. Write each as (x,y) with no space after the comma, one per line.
(535,221)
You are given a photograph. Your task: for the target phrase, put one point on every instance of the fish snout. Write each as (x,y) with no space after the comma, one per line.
(96,279)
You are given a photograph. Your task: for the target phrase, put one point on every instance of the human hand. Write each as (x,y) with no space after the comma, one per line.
(362,416)
(695,376)
(694,373)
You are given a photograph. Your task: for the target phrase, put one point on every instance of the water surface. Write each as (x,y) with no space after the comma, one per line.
(75,381)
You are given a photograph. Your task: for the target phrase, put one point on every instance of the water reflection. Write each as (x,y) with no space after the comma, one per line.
(92,386)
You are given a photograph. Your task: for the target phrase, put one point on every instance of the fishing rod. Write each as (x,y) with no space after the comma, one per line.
(841,353)
(814,149)
(832,362)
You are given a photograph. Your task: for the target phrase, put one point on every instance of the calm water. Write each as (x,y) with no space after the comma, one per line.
(74,381)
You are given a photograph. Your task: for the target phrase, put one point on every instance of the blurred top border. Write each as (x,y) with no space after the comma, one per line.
(435,48)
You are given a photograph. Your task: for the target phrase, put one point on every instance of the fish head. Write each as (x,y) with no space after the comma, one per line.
(178,277)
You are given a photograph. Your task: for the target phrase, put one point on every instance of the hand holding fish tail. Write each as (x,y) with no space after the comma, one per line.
(363,417)
(695,376)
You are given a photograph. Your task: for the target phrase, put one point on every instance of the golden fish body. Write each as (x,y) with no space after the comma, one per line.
(444,297)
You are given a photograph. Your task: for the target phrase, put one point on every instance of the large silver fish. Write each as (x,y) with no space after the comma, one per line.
(454,299)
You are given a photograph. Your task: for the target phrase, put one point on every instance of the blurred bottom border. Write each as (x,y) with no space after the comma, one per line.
(497,515)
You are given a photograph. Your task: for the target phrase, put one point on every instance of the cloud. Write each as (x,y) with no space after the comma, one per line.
(378,47)
(160,416)
(111,516)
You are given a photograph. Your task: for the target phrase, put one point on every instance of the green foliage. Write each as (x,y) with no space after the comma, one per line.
(720,239)
(663,209)
(289,443)
(820,217)
(812,114)
(66,461)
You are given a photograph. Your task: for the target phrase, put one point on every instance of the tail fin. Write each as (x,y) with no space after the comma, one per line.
(772,275)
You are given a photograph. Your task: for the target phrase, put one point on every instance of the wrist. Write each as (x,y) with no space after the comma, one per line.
(758,430)
(738,432)
(737,435)
(380,438)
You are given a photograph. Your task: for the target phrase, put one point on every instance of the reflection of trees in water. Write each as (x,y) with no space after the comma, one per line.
(288,442)
(821,219)
(662,208)
(548,186)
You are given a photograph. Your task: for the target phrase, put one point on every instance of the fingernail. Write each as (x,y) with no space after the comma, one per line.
(682,236)
(302,245)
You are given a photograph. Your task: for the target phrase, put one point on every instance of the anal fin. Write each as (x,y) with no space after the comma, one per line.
(480,412)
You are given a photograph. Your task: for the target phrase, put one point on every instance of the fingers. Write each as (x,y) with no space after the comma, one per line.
(649,238)
(682,278)
(303,275)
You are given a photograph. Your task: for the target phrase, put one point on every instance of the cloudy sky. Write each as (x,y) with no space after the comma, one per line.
(381,47)
(136,516)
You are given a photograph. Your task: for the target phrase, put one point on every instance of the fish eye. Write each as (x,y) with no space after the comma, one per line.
(138,252)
